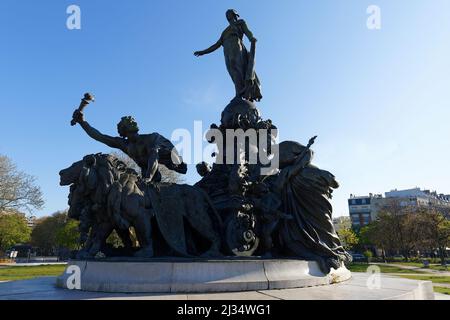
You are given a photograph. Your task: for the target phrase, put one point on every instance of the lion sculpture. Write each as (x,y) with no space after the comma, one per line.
(106,195)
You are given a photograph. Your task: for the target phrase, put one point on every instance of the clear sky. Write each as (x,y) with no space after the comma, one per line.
(377,99)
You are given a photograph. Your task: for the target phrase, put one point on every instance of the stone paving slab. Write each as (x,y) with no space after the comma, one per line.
(354,289)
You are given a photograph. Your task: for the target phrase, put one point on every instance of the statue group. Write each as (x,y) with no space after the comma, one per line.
(234,210)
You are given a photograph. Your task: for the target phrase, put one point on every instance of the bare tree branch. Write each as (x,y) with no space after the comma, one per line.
(18,190)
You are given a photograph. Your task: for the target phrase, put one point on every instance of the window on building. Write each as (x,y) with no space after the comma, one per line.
(355,219)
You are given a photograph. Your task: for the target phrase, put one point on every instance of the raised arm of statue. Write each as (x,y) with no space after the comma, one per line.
(300,163)
(287,173)
(211,49)
(247,32)
(113,142)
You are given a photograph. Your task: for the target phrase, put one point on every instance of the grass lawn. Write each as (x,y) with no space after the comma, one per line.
(442,290)
(420,265)
(410,264)
(440,268)
(23,273)
(434,279)
(362,267)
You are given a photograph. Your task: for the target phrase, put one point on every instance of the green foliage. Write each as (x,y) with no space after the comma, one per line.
(44,233)
(380,233)
(13,230)
(435,230)
(114,240)
(408,230)
(56,231)
(443,290)
(368,254)
(365,234)
(67,236)
(348,238)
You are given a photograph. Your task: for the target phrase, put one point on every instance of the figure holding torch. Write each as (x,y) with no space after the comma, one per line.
(88,98)
(147,150)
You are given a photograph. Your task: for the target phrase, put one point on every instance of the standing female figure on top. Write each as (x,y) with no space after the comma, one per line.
(240,63)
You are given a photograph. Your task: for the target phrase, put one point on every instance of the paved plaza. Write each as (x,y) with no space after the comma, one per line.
(388,287)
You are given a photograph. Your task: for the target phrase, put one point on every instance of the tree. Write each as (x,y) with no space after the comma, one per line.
(406,229)
(18,190)
(13,230)
(435,228)
(348,238)
(68,235)
(168,176)
(398,228)
(368,254)
(44,234)
(114,240)
(56,232)
(379,234)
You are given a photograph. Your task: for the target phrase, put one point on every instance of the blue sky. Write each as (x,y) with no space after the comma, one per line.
(378,100)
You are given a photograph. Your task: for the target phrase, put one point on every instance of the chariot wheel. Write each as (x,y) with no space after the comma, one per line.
(240,237)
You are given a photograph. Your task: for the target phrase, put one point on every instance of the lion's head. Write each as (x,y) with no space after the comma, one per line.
(89,180)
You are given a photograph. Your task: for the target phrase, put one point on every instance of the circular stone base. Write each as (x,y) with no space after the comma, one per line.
(198,276)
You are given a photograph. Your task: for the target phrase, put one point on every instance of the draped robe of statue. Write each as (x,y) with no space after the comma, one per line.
(240,63)
(305,190)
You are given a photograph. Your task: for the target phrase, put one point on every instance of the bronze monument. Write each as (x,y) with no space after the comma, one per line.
(234,210)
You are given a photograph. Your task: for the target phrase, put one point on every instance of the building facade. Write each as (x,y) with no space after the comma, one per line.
(31,221)
(364,209)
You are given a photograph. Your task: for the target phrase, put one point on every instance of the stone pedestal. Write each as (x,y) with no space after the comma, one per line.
(198,276)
